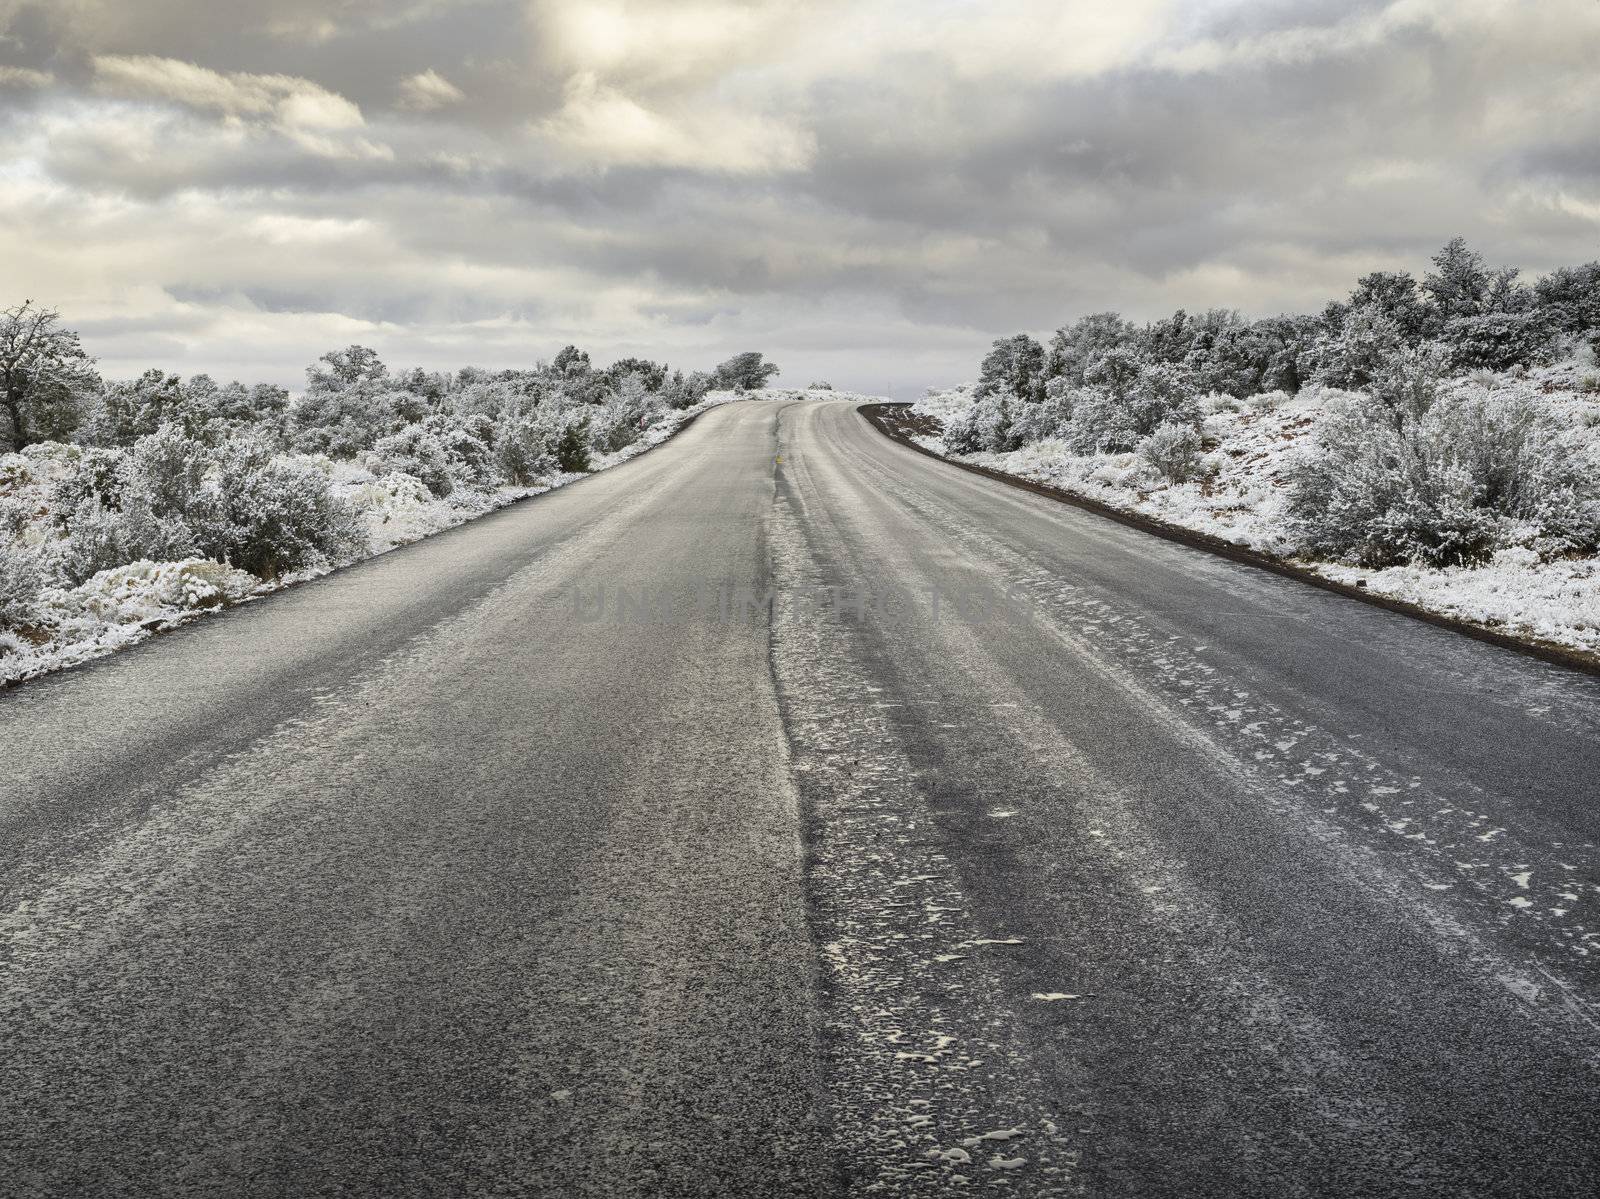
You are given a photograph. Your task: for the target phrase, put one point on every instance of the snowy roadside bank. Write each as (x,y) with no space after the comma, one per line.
(124,605)
(1240,495)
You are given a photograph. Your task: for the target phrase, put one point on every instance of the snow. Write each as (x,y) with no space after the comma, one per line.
(118,607)
(1253,443)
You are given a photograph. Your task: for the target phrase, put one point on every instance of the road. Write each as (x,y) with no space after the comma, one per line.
(785,813)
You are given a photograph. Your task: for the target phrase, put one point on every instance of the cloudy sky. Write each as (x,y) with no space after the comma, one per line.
(868,191)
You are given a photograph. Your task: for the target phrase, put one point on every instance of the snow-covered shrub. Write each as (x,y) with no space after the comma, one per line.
(271,516)
(343,423)
(137,592)
(1173,452)
(572,442)
(15,470)
(165,472)
(117,508)
(94,473)
(1410,381)
(1371,495)
(532,445)
(1524,465)
(15,516)
(622,420)
(418,451)
(23,576)
(1445,486)
(1047,418)
(525,448)
(469,445)
(681,391)
(989,426)
(97,539)
(1351,355)
(1497,341)
(494,399)
(1126,400)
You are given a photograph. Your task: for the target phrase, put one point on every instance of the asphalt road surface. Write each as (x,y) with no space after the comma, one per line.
(785,813)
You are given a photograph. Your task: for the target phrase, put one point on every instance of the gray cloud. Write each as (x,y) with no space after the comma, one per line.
(869,191)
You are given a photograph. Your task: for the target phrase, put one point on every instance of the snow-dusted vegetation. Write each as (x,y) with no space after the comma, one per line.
(129,506)
(1435,442)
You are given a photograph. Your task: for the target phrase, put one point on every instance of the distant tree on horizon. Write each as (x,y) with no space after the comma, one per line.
(744,372)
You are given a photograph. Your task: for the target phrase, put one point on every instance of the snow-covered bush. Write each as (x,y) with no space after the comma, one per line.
(146,504)
(418,451)
(272,516)
(137,592)
(525,448)
(166,471)
(469,445)
(485,397)
(1048,417)
(1173,452)
(571,447)
(989,426)
(622,420)
(1444,486)
(441,452)
(1497,340)
(341,424)
(1127,399)
(23,576)
(92,474)
(15,470)
(1353,353)
(1014,367)
(97,539)
(681,391)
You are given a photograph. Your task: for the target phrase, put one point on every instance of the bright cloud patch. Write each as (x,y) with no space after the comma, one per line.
(306,112)
(600,125)
(429,90)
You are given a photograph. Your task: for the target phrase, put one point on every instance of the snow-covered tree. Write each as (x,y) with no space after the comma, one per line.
(744,372)
(1497,341)
(341,370)
(1013,367)
(1462,284)
(1074,347)
(652,374)
(129,409)
(1395,295)
(1569,298)
(1353,353)
(624,417)
(46,379)
(1235,362)
(1128,398)
(682,391)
